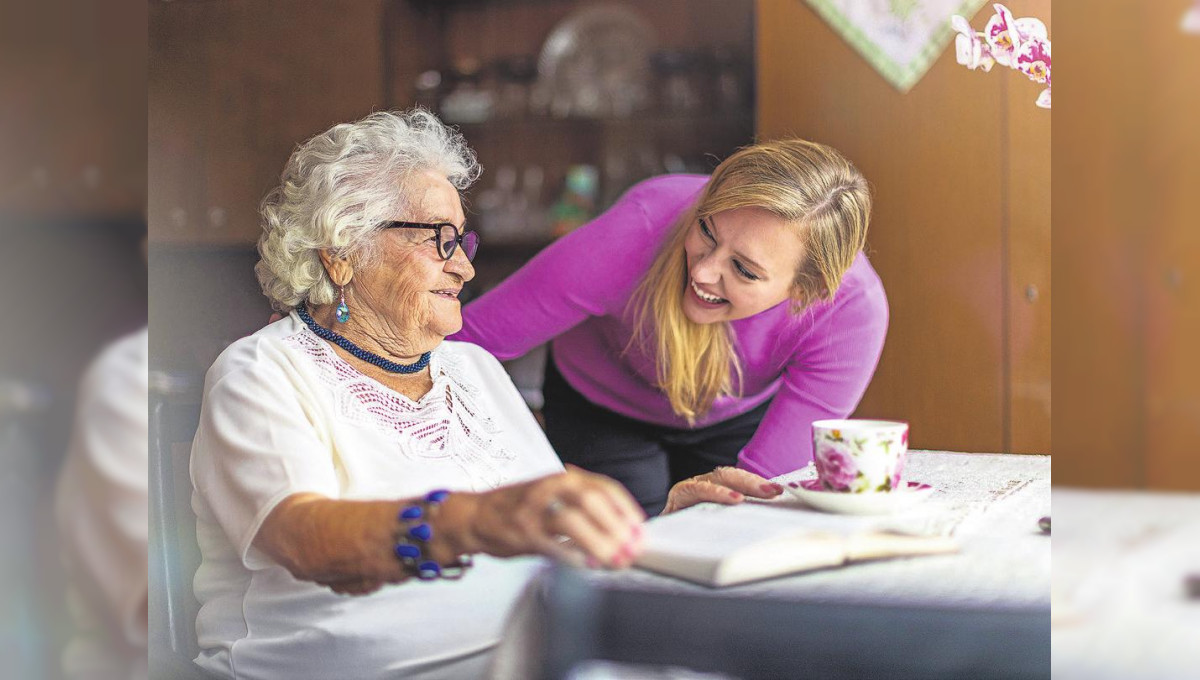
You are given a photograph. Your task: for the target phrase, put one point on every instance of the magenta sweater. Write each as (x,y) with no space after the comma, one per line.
(816,364)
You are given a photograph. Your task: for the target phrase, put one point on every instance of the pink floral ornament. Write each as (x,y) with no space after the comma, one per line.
(1034,61)
(971,49)
(897,477)
(999,37)
(1021,44)
(1006,35)
(835,465)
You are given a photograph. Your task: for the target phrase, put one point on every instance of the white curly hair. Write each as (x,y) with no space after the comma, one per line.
(339,187)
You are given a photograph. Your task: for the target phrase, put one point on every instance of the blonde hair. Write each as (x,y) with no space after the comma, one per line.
(817,192)
(336,190)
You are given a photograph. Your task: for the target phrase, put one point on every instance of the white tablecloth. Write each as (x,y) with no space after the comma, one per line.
(990,503)
(1121,609)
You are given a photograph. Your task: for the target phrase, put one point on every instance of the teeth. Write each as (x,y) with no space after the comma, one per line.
(705,296)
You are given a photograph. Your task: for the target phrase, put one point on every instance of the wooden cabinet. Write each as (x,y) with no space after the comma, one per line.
(72,141)
(1172,276)
(960,167)
(1126,253)
(233,87)
(492,49)
(1026,258)
(1097,267)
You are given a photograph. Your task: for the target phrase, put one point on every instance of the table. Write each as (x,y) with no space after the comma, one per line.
(982,612)
(1121,609)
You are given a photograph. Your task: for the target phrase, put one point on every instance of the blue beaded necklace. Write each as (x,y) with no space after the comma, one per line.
(369,357)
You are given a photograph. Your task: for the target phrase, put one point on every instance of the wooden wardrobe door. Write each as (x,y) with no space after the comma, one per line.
(1028,282)
(940,159)
(1172,230)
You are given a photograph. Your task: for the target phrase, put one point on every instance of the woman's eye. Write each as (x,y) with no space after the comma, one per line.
(704,230)
(745,273)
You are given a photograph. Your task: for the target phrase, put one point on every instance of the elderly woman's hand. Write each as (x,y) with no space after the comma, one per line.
(347,546)
(725,485)
(601,520)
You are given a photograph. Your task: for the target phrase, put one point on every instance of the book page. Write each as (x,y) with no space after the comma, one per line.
(721,545)
(713,531)
(718,545)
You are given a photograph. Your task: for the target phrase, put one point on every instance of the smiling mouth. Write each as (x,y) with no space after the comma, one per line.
(705,297)
(449,293)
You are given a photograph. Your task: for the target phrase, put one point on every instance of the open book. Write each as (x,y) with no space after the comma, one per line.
(717,545)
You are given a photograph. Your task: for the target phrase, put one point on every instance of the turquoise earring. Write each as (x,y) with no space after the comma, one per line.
(342,312)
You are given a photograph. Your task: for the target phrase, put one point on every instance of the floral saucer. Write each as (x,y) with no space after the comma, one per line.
(878,503)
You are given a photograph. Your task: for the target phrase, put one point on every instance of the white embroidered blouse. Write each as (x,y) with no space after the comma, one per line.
(283,414)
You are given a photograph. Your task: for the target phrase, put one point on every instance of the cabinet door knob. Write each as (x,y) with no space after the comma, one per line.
(1031,293)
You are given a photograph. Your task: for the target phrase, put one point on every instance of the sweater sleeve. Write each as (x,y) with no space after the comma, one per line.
(590,272)
(825,378)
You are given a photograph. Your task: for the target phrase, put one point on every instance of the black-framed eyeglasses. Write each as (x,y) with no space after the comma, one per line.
(448,237)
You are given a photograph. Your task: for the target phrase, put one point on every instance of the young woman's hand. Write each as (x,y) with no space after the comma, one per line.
(725,485)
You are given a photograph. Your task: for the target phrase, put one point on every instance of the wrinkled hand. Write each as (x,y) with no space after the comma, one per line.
(725,485)
(600,520)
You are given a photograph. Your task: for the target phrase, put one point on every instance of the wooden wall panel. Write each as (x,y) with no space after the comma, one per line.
(72,115)
(1172,276)
(1127,250)
(1097,276)
(233,87)
(1028,281)
(937,157)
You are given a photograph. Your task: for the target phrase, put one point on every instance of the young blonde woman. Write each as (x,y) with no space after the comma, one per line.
(701,321)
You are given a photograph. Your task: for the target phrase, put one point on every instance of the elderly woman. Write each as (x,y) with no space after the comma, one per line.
(349,450)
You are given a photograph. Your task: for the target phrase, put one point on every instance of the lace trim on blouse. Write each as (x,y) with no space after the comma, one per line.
(445,424)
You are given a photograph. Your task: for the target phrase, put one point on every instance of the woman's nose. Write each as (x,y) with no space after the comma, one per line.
(460,265)
(704,270)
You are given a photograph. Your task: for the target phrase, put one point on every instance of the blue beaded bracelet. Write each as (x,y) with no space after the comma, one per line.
(413,537)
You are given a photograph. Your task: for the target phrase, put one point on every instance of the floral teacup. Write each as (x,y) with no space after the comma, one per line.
(860,456)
